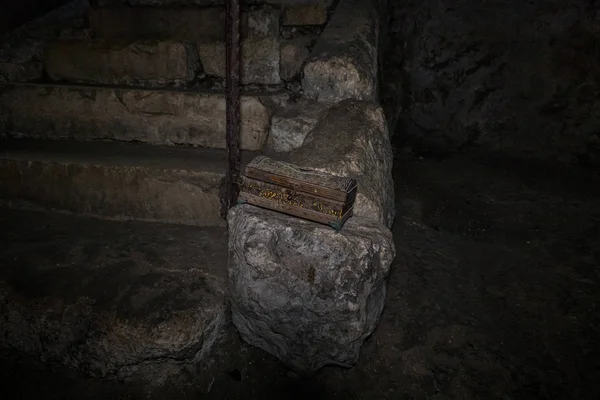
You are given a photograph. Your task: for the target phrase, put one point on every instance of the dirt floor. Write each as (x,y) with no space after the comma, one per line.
(493,295)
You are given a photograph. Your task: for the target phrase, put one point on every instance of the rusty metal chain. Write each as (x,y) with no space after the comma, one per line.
(233,54)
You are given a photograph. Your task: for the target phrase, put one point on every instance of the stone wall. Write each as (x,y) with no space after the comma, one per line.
(510,76)
(16,12)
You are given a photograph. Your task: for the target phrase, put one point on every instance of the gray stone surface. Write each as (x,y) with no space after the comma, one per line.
(203,25)
(261,22)
(149,116)
(118,300)
(305,15)
(303,292)
(352,140)
(343,63)
(260,60)
(24,63)
(514,77)
(293,54)
(153,63)
(115,180)
(21,50)
(290,126)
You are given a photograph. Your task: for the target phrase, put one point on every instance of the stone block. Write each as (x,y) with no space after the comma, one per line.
(260,22)
(343,63)
(144,62)
(149,116)
(260,60)
(305,15)
(352,140)
(116,180)
(204,25)
(290,126)
(23,63)
(294,53)
(22,49)
(301,291)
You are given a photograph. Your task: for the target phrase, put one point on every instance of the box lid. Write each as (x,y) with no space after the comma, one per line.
(300,179)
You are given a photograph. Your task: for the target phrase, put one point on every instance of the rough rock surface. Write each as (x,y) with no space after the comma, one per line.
(290,126)
(24,63)
(149,116)
(21,50)
(303,292)
(260,49)
(102,299)
(511,76)
(343,63)
(260,60)
(352,140)
(293,54)
(144,62)
(260,22)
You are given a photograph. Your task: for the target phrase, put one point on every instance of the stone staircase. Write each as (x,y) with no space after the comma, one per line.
(149,76)
(122,117)
(117,110)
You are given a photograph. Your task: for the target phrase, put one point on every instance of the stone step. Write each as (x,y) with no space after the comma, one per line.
(115,180)
(152,63)
(125,300)
(161,117)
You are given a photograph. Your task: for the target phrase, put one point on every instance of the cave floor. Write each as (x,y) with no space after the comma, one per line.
(494,294)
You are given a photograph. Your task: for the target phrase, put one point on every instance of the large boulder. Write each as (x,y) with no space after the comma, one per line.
(352,140)
(303,292)
(343,63)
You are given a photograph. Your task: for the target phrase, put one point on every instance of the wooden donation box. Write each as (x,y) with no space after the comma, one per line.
(301,192)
